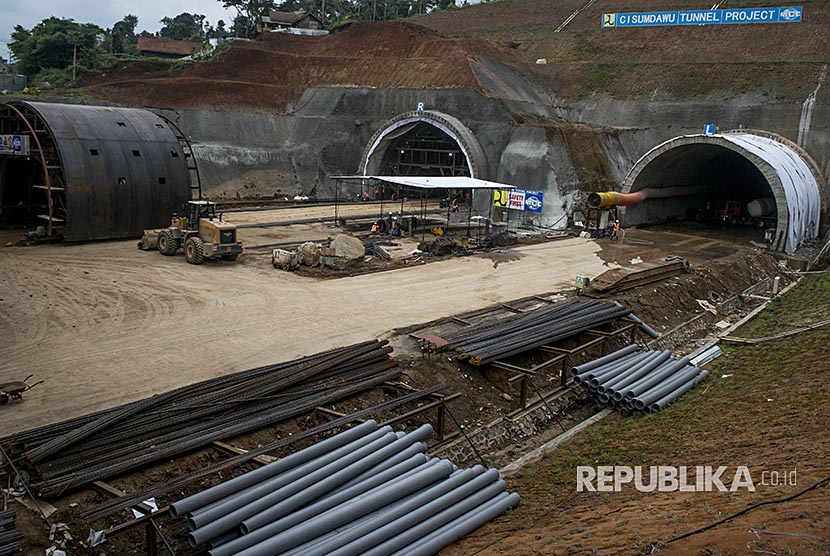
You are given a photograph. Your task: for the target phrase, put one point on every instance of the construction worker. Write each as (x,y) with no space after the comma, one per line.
(616,232)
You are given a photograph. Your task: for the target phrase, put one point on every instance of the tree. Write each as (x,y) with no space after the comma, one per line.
(250,10)
(123,34)
(240,26)
(183,27)
(219,32)
(57,43)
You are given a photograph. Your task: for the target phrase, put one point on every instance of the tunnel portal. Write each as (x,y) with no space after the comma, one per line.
(741,179)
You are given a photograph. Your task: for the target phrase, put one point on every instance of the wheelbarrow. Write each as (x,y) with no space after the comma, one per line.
(14,390)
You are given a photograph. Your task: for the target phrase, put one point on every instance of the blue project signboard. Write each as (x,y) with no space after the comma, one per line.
(789,14)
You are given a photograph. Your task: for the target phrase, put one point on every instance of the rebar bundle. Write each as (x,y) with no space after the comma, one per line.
(493,341)
(9,536)
(93,447)
(629,381)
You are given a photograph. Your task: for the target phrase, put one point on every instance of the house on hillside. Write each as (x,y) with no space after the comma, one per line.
(4,66)
(275,20)
(167,48)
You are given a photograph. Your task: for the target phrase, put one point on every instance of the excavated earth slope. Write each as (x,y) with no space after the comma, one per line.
(272,71)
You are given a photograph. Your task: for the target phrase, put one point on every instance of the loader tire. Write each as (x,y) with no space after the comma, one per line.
(194,250)
(167,244)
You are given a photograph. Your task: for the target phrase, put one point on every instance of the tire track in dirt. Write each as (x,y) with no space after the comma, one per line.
(139,325)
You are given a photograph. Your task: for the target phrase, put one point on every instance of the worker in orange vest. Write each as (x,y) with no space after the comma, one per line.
(616,232)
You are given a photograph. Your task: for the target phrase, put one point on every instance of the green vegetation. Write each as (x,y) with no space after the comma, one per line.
(806,304)
(334,12)
(55,49)
(755,394)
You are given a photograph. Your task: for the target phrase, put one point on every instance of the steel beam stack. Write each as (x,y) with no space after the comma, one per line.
(9,536)
(80,451)
(629,381)
(493,341)
(366,491)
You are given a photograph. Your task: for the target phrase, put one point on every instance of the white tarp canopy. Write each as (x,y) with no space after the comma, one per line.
(433,182)
(799,183)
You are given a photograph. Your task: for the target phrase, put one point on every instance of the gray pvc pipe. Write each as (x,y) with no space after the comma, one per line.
(417,531)
(666,400)
(610,368)
(205,497)
(607,384)
(585,378)
(311,547)
(598,376)
(643,326)
(200,511)
(371,486)
(329,477)
(234,501)
(640,369)
(461,526)
(613,356)
(228,515)
(223,539)
(416,509)
(418,447)
(334,483)
(658,375)
(347,512)
(640,373)
(202,516)
(613,366)
(665,387)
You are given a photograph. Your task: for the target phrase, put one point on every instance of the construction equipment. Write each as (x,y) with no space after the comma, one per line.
(200,233)
(14,390)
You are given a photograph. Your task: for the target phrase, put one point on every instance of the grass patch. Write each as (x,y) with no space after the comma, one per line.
(756,396)
(807,303)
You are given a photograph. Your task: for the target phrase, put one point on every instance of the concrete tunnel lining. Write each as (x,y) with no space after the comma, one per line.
(113,171)
(457,131)
(789,178)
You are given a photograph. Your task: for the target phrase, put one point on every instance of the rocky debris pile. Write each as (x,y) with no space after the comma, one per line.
(342,252)
(442,247)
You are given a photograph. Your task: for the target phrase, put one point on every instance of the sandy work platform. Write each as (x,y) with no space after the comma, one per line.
(104,323)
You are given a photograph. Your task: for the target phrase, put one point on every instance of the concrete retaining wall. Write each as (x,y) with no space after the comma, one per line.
(326,131)
(509,430)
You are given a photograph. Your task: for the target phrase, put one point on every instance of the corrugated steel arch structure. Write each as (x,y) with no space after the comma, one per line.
(452,126)
(793,181)
(108,172)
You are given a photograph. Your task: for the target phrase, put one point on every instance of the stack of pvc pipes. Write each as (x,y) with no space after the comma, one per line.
(368,491)
(629,380)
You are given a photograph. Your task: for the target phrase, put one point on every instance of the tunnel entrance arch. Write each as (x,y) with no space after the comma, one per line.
(83,172)
(734,167)
(424,143)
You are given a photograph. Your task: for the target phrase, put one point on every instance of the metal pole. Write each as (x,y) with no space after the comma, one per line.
(469,441)
(469,214)
(163,539)
(150,540)
(336,203)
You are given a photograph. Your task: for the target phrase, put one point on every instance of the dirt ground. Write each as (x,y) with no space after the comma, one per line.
(104,323)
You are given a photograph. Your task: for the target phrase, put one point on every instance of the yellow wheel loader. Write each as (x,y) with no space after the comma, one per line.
(201,234)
